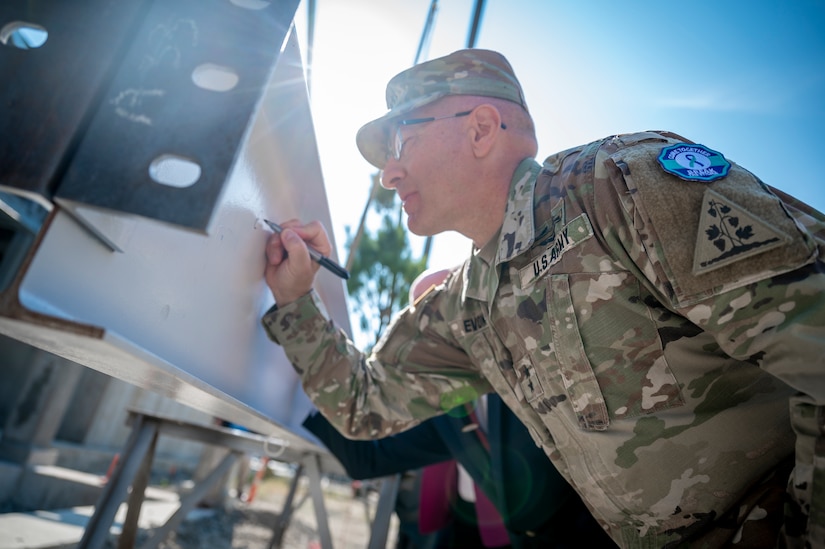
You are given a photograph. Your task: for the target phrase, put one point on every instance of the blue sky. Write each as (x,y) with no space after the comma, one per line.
(746,78)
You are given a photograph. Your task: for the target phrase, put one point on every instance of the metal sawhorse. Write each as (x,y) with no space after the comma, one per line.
(135,467)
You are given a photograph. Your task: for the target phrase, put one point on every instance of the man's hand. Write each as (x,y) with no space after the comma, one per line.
(290,272)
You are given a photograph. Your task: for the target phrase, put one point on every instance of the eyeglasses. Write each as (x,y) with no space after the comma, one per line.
(396,145)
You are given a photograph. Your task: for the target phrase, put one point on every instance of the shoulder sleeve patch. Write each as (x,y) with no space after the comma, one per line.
(711,236)
(729,233)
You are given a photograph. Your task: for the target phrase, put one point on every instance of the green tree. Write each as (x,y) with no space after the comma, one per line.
(381,265)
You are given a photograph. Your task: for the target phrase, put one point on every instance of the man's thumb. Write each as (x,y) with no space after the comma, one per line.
(293,244)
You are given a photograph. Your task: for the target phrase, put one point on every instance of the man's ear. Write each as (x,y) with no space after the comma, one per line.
(484,129)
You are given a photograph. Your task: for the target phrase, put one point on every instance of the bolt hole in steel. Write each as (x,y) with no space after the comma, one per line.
(22,35)
(174,171)
(214,77)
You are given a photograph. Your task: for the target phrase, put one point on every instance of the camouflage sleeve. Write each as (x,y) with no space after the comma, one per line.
(415,371)
(744,263)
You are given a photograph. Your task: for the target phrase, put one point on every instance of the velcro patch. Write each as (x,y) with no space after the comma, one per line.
(728,233)
(528,380)
(693,162)
(567,237)
(675,224)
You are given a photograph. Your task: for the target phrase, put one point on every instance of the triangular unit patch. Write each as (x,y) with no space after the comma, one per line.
(729,233)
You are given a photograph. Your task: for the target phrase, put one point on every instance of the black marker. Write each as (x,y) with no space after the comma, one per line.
(316,256)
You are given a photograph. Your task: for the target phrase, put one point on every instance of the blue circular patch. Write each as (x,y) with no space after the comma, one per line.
(694,162)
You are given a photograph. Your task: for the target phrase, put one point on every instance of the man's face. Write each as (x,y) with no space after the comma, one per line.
(425,157)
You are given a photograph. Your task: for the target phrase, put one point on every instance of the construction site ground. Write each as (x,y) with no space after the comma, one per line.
(235,525)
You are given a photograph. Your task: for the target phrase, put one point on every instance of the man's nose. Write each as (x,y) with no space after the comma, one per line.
(391,174)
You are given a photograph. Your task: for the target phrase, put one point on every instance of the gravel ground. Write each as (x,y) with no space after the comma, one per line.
(242,525)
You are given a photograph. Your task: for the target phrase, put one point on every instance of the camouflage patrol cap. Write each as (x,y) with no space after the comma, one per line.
(464,72)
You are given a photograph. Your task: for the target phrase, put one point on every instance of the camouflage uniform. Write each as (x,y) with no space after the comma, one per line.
(650,331)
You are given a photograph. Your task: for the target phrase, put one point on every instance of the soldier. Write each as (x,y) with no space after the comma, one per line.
(651,311)
(497,490)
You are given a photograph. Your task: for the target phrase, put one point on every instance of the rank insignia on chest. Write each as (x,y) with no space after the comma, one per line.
(694,162)
(566,237)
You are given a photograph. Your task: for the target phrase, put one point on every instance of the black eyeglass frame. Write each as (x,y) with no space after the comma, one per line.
(396,146)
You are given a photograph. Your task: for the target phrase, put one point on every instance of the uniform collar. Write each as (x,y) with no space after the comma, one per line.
(515,236)
(518,230)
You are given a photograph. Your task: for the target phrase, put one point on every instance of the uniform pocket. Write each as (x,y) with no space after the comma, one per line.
(608,347)
(484,349)
(576,373)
